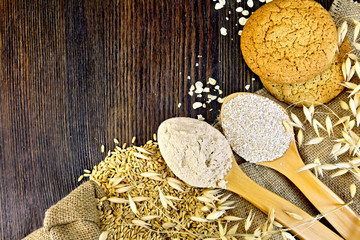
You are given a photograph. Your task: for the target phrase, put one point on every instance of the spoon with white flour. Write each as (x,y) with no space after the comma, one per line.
(253,125)
(200,155)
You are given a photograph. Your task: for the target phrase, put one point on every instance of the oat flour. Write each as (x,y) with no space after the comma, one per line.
(195,151)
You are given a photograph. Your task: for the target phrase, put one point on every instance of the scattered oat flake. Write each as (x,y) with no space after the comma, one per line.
(102,148)
(223,31)
(218,6)
(247,87)
(250,3)
(197,105)
(179,105)
(240,32)
(242,21)
(200,117)
(245,13)
(212,81)
(239,9)
(220,100)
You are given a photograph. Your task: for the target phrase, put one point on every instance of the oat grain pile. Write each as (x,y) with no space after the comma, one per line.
(145,200)
(253,125)
(195,151)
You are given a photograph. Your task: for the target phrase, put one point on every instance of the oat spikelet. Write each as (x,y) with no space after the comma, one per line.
(163,200)
(307,114)
(294,215)
(356,45)
(352,190)
(339,173)
(249,220)
(308,167)
(141,223)
(168,225)
(356,30)
(344,105)
(149,174)
(316,126)
(198,219)
(204,199)
(300,137)
(329,126)
(342,120)
(233,229)
(124,189)
(104,235)
(296,120)
(149,217)
(176,186)
(116,180)
(117,200)
(140,199)
(287,236)
(215,215)
(357,68)
(328,167)
(139,155)
(132,204)
(232,218)
(342,32)
(288,127)
(314,141)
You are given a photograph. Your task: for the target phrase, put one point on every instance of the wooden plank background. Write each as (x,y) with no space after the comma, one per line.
(75,74)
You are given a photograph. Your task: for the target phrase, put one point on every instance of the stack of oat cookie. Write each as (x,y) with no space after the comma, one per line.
(292,45)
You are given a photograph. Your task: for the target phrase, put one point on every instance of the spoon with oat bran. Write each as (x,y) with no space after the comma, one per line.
(253,125)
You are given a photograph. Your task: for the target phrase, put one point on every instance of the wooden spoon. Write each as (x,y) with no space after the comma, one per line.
(239,183)
(343,219)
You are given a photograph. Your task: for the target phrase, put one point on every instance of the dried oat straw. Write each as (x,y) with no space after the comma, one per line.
(253,125)
(195,151)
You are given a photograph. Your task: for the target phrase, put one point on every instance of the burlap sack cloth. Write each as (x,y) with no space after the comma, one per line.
(76,216)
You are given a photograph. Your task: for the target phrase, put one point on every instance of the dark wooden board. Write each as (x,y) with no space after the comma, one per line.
(76,74)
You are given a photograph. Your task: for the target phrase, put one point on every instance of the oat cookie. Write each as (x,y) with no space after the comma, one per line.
(319,89)
(289,41)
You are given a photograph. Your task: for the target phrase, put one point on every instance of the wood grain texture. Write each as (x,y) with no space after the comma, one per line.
(75,74)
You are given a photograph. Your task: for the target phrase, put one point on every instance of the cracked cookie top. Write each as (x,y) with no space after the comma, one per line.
(289,41)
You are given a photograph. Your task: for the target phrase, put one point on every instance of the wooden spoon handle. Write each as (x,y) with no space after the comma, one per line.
(344,219)
(265,200)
